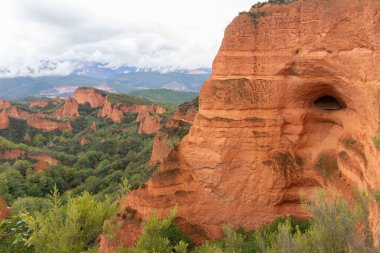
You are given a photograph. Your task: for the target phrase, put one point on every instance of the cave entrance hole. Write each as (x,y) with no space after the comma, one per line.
(329,103)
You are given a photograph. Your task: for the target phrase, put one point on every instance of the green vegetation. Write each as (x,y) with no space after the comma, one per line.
(189,105)
(70,227)
(64,225)
(127,99)
(376,141)
(261,4)
(165,96)
(327,165)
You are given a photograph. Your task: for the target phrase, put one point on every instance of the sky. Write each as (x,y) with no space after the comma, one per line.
(53,37)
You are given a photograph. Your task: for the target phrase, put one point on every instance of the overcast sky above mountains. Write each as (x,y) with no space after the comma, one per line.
(46,37)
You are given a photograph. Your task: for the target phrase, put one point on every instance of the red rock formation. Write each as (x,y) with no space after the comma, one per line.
(182,118)
(48,125)
(160,149)
(18,113)
(142,110)
(57,100)
(291,105)
(112,112)
(187,111)
(5,104)
(150,124)
(90,95)
(68,110)
(11,154)
(38,103)
(4,120)
(84,141)
(44,162)
(4,210)
(93,127)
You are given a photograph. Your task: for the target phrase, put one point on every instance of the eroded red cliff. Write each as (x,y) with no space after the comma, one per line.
(4,120)
(47,124)
(39,103)
(94,97)
(112,112)
(292,104)
(170,135)
(5,104)
(4,210)
(44,162)
(68,110)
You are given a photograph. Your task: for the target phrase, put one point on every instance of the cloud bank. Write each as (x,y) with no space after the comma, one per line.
(45,37)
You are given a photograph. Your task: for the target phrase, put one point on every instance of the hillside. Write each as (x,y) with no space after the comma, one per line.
(165,95)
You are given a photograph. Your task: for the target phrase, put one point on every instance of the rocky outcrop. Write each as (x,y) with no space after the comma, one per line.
(187,111)
(68,110)
(93,126)
(292,104)
(94,97)
(57,100)
(142,110)
(11,154)
(112,112)
(149,124)
(84,141)
(5,104)
(171,134)
(38,103)
(47,124)
(44,162)
(160,149)
(4,120)
(4,210)
(18,113)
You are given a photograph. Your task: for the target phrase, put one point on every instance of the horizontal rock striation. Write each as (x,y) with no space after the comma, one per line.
(292,104)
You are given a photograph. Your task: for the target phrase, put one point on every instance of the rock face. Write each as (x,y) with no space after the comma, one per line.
(44,162)
(48,125)
(160,149)
(68,110)
(11,154)
(142,110)
(4,210)
(84,141)
(164,139)
(186,112)
(112,112)
(4,120)
(149,124)
(90,95)
(5,104)
(39,103)
(291,105)
(17,113)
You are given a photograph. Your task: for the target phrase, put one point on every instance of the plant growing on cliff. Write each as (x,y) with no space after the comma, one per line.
(376,141)
(334,228)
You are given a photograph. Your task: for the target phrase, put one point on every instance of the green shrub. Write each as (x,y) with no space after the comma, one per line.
(71,227)
(376,141)
(327,164)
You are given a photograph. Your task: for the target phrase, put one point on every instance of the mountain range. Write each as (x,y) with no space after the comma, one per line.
(121,79)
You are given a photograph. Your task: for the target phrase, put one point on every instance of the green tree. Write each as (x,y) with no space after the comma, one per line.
(69,228)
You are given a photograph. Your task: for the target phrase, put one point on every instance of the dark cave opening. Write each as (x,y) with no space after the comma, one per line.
(329,103)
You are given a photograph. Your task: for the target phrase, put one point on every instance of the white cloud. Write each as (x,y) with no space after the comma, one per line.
(46,37)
